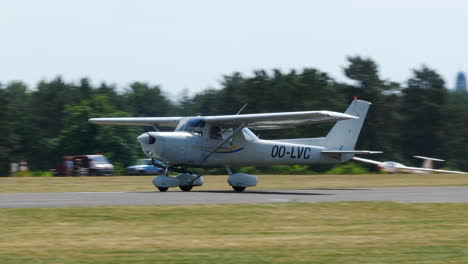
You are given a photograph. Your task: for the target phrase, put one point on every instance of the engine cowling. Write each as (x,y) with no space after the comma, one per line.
(242,180)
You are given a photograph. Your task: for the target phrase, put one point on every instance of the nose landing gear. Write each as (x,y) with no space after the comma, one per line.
(186,180)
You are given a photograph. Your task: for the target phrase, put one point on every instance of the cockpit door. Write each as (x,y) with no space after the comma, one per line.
(212,136)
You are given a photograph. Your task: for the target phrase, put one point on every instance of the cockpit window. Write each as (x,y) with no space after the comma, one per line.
(194,125)
(394,164)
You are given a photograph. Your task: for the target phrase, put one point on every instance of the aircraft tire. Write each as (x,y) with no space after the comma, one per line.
(163,189)
(186,188)
(238,189)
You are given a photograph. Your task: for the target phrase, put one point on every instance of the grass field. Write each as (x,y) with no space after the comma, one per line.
(143,183)
(357,232)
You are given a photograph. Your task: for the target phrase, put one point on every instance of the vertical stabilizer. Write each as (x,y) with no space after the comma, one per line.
(344,135)
(428,163)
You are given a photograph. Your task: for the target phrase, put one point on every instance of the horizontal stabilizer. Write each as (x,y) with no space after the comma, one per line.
(366,152)
(428,163)
(427,158)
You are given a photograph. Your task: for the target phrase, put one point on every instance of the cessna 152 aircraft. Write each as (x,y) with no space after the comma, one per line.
(395,167)
(226,141)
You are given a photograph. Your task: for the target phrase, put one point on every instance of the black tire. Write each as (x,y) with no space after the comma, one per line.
(163,189)
(186,188)
(238,189)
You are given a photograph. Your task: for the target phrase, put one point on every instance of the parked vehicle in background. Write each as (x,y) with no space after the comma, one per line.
(145,167)
(84,165)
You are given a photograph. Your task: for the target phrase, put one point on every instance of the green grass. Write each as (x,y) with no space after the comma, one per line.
(355,232)
(143,183)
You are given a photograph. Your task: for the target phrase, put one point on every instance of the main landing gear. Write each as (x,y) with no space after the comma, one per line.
(186,180)
(240,181)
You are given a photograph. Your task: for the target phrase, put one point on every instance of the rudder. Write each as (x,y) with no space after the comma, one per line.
(345,133)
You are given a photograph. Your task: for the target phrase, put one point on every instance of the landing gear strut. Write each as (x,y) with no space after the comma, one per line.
(185,180)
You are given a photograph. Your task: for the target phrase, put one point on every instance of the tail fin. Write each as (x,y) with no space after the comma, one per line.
(344,135)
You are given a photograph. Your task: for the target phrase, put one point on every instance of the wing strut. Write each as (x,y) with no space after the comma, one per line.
(238,112)
(224,141)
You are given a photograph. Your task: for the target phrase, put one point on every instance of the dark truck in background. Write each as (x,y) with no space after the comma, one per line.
(84,165)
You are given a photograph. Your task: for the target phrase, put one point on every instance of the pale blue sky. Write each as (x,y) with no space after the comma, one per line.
(191,44)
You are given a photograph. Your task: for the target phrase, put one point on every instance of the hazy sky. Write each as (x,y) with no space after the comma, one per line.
(191,44)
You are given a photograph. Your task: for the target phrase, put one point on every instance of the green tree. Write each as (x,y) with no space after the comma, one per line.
(369,87)
(5,131)
(18,119)
(379,131)
(80,137)
(145,100)
(423,128)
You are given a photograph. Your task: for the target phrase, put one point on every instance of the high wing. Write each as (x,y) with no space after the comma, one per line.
(428,170)
(367,161)
(362,152)
(409,169)
(277,120)
(137,121)
(254,121)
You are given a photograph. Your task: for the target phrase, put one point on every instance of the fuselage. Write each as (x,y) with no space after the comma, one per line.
(395,167)
(243,149)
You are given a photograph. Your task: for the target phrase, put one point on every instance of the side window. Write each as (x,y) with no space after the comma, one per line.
(194,126)
(198,127)
(215,133)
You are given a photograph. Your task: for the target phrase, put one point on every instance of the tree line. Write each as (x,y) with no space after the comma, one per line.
(419,117)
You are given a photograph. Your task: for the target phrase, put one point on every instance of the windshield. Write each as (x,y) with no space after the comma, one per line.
(194,125)
(99,159)
(394,163)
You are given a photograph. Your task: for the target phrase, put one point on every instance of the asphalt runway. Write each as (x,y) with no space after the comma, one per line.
(410,194)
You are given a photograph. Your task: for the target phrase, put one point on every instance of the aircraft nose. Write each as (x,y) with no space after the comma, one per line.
(146,138)
(143,138)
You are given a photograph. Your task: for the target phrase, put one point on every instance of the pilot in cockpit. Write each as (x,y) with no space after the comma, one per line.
(215,132)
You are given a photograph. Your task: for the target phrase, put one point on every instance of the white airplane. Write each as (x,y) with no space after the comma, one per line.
(395,167)
(226,141)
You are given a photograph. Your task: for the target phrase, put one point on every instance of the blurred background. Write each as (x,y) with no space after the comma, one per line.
(62,63)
